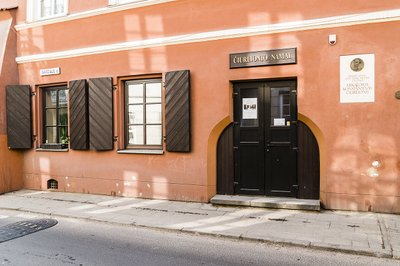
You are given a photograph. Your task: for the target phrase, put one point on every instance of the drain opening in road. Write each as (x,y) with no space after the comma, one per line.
(23,228)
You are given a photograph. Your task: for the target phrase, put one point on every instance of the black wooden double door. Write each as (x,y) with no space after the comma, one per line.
(265,138)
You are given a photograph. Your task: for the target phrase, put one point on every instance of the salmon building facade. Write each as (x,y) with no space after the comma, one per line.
(187,100)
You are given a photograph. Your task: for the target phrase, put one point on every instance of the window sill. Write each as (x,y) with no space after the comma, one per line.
(49,18)
(113,3)
(143,151)
(56,150)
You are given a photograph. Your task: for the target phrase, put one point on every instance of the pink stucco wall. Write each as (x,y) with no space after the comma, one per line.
(351,136)
(11,162)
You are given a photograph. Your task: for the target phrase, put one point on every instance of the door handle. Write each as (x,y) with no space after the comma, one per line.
(268,147)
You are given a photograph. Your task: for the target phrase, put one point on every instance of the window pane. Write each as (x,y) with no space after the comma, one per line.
(135,114)
(62,98)
(153,92)
(135,93)
(58,7)
(286,111)
(45,8)
(51,135)
(63,133)
(274,112)
(135,135)
(51,117)
(280,106)
(153,135)
(153,114)
(63,117)
(286,99)
(250,107)
(51,98)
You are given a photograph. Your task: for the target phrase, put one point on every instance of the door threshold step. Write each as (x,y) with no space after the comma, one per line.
(267,202)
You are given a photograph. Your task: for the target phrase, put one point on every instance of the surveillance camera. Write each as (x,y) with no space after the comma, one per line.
(332,39)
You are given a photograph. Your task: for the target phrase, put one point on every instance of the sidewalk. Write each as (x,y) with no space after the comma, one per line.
(362,233)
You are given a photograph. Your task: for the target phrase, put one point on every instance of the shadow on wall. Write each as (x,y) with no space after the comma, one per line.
(360,165)
(11,162)
(365,166)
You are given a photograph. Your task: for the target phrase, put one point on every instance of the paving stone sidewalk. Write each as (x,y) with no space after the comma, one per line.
(362,233)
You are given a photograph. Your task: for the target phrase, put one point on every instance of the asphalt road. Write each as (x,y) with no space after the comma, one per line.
(79,242)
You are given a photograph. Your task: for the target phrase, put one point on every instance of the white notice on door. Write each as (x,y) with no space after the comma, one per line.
(249,108)
(279,121)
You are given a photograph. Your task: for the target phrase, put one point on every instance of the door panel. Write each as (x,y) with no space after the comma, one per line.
(280,173)
(280,134)
(225,162)
(280,139)
(308,163)
(280,164)
(249,143)
(251,171)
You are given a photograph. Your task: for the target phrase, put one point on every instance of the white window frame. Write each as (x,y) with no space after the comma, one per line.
(144,82)
(121,2)
(33,11)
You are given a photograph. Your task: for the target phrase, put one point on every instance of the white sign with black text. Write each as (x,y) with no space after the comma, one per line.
(357,78)
(279,121)
(249,110)
(50,71)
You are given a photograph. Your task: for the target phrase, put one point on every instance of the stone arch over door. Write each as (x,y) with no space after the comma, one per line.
(308,166)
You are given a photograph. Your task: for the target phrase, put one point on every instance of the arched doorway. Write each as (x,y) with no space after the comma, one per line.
(308,163)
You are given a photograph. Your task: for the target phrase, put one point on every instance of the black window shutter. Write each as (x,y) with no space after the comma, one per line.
(19,116)
(101,114)
(79,115)
(177,111)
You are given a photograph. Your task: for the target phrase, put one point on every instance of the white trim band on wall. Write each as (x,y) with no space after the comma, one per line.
(328,22)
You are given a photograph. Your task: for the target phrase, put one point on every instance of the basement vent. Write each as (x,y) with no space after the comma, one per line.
(52,184)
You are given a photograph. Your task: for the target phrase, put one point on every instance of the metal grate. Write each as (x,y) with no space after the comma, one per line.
(18,229)
(52,184)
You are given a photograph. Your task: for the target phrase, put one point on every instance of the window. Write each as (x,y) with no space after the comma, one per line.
(280,106)
(55,117)
(143,114)
(43,9)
